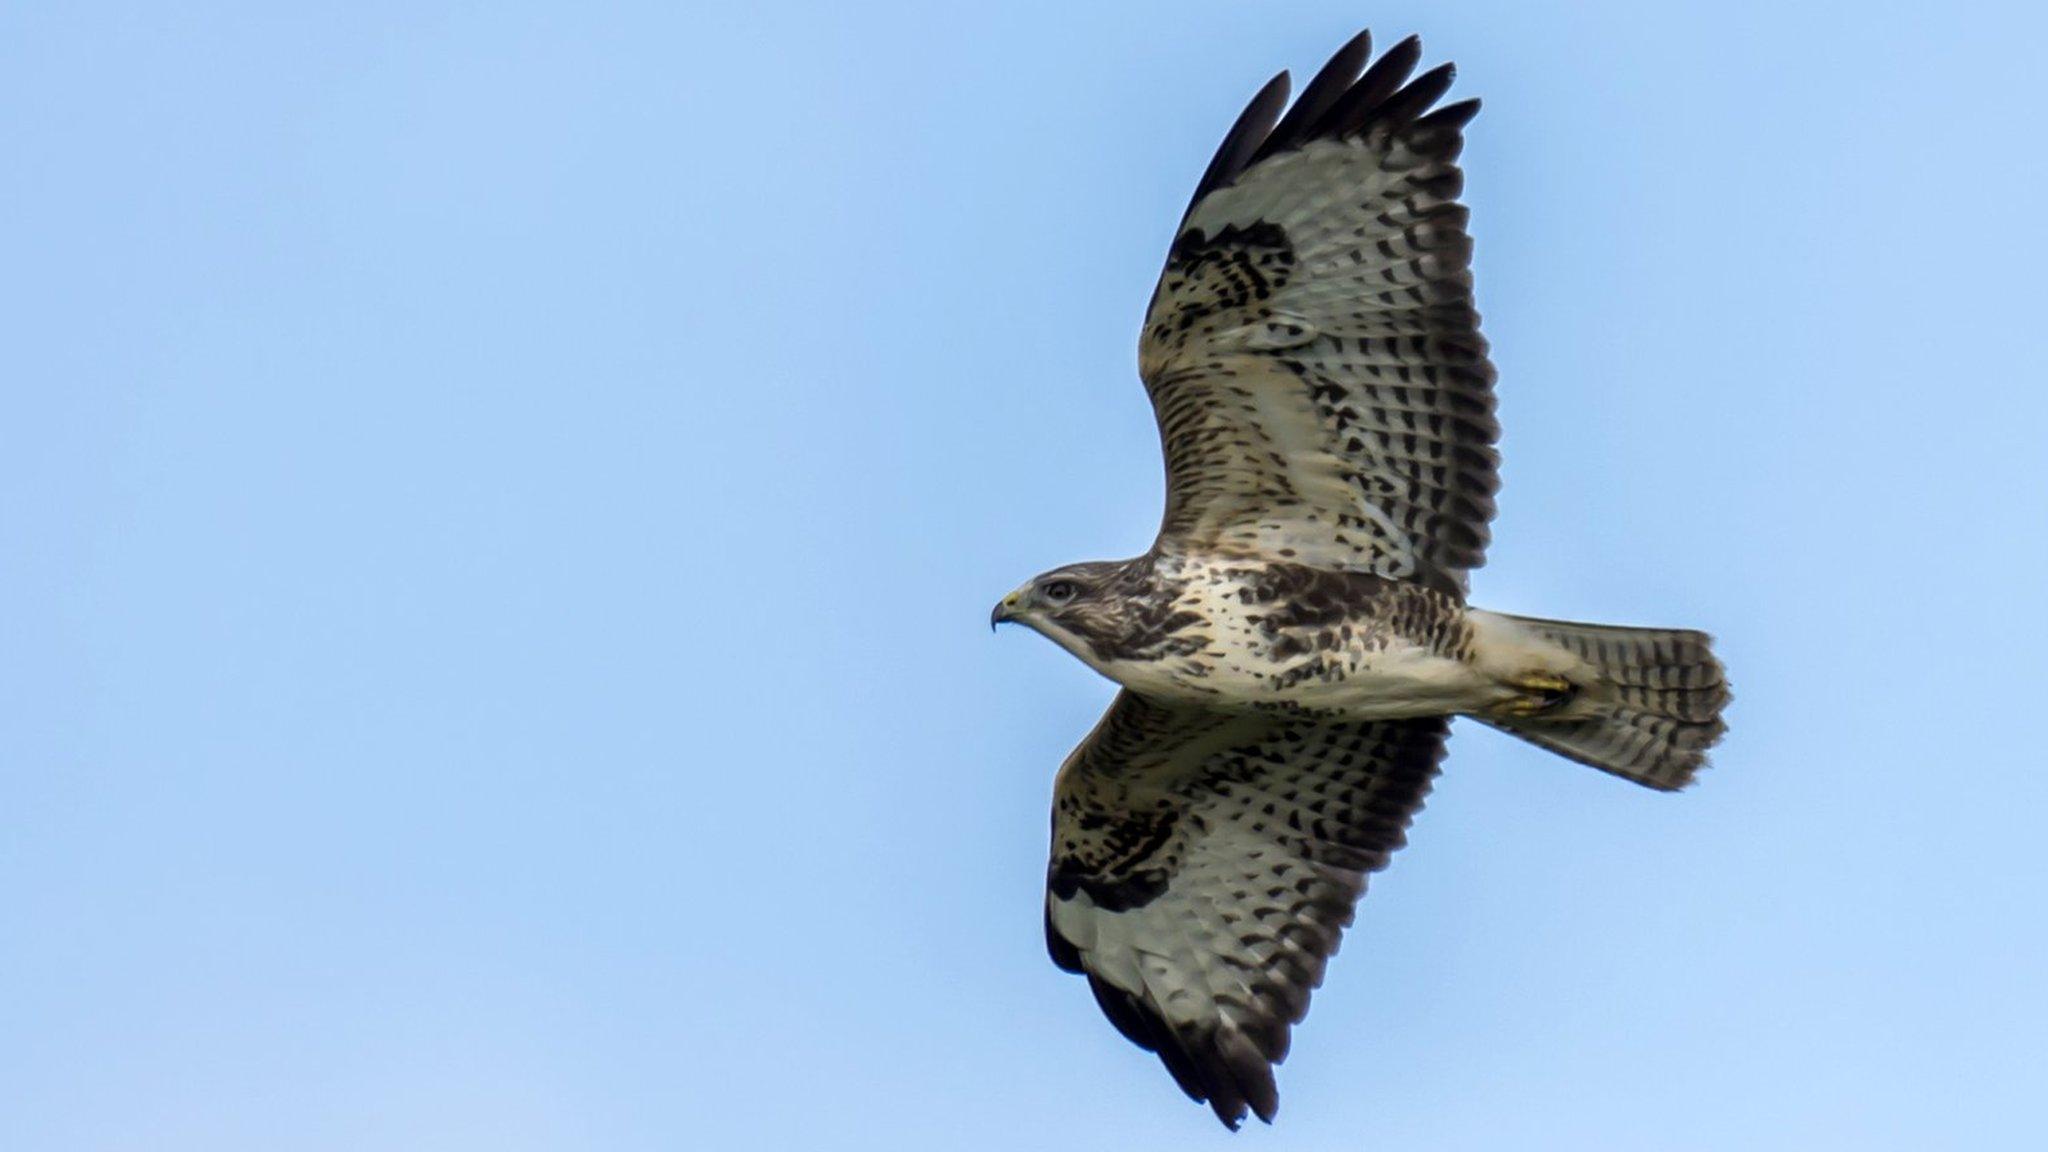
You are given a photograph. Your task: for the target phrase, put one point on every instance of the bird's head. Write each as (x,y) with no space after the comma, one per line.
(1099,611)
(1068,599)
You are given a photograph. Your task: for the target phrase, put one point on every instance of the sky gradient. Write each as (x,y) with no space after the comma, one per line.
(499,506)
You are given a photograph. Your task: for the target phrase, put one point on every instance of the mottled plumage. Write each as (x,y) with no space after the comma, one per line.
(1293,645)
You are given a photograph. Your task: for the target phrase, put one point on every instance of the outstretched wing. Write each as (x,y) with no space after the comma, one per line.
(1203,865)
(1312,352)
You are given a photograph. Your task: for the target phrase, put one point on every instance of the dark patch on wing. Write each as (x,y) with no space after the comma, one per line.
(1112,856)
(1110,827)
(1238,267)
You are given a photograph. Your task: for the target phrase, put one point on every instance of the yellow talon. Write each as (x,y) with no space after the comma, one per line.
(1541,692)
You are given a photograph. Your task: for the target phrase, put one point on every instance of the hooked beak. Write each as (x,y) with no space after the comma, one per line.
(1006,611)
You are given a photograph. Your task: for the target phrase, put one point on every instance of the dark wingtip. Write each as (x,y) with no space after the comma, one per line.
(1275,91)
(1324,90)
(1394,67)
(1348,115)
(1451,115)
(1253,125)
(1415,99)
(1348,97)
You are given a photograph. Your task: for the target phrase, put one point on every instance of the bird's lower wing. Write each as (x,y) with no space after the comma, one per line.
(1204,864)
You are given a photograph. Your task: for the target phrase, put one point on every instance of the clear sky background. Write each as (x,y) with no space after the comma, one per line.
(499,507)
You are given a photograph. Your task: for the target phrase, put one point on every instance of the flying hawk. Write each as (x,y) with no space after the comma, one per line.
(1292,648)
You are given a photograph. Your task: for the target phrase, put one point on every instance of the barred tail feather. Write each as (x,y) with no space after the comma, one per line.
(1650,709)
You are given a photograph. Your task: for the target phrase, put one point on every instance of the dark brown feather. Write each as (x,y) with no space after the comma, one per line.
(1347,116)
(1413,100)
(1325,90)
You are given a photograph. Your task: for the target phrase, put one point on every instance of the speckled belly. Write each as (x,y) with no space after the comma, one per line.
(1279,636)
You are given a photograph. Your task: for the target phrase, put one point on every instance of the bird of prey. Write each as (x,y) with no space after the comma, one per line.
(1293,646)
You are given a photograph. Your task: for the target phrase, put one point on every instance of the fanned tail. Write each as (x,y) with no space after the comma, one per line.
(1647,710)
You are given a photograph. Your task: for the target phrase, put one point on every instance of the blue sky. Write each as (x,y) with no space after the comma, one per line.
(499,505)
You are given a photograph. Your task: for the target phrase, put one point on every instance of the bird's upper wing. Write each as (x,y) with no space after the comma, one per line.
(1203,865)
(1312,352)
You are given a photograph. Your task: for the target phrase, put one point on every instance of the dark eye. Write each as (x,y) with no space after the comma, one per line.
(1058,591)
